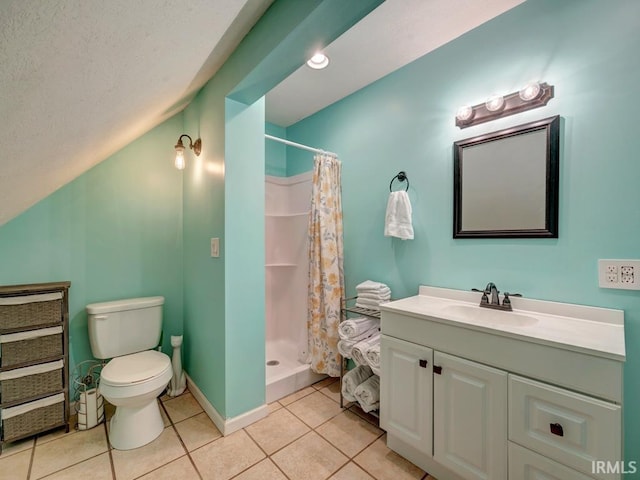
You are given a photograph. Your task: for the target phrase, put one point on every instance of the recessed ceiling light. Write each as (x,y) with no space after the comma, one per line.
(318,61)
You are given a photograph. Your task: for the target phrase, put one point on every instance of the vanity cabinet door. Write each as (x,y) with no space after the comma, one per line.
(470,418)
(406,392)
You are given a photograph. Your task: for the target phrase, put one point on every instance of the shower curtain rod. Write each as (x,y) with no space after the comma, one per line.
(299,145)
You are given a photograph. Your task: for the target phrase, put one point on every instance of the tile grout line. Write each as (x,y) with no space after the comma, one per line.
(173,425)
(106,432)
(33,454)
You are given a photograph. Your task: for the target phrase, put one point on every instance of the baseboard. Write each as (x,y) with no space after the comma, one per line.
(226,425)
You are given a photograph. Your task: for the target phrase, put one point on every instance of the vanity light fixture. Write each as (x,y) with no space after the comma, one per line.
(532,95)
(195,146)
(318,61)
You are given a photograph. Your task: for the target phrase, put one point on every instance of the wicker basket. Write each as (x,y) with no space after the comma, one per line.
(34,421)
(30,314)
(23,351)
(30,386)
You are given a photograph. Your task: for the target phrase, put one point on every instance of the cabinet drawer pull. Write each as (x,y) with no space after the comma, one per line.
(423,363)
(437,370)
(556,429)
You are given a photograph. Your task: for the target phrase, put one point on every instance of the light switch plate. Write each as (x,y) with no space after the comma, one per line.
(215,247)
(622,274)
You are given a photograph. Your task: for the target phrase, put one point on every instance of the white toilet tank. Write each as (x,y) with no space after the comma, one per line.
(124,326)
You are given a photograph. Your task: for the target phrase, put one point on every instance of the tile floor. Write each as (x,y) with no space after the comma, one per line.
(307,436)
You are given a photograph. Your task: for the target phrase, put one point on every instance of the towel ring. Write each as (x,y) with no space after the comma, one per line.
(401,176)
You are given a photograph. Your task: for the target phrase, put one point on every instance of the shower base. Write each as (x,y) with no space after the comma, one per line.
(288,375)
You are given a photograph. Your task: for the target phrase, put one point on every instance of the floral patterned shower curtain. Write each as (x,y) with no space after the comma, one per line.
(326,274)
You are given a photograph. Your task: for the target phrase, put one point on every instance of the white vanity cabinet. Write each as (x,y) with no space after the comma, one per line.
(466,401)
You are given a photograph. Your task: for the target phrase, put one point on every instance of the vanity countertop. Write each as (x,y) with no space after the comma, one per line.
(591,330)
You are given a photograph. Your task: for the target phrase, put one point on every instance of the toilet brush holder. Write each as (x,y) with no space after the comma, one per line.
(178,382)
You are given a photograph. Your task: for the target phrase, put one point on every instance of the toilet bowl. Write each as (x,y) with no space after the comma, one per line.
(128,332)
(132,383)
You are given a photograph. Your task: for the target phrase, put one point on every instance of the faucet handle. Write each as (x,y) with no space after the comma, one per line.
(485,298)
(506,300)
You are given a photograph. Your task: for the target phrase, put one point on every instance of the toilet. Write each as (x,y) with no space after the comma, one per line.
(128,332)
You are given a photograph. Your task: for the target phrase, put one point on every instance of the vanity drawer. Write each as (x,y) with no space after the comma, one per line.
(527,465)
(571,428)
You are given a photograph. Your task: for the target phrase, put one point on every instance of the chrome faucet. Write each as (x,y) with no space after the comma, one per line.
(492,291)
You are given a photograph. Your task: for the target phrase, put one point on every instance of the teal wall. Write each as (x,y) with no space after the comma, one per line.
(405,121)
(275,152)
(114,232)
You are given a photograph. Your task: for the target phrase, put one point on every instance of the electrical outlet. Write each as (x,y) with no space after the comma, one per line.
(623,274)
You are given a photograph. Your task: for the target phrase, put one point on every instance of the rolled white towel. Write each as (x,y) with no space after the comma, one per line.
(368,393)
(353,328)
(352,379)
(345,347)
(376,371)
(372,355)
(359,349)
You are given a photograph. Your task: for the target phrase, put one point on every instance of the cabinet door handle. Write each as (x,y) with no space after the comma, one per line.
(437,370)
(556,429)
(423,363)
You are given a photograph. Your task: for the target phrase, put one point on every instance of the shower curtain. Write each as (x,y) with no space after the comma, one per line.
(326,275)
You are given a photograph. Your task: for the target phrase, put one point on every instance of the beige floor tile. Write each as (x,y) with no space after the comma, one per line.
(130,464)
(351,472)
(332,391)
(68,450)
(355,408)
(17,447)
(98,468)
(197,431)
(15,467)
(274,406)
(265,470)
(349,433)
(309,457)
(227,456)
(385,464)
(58,432)
(180,469)
(315,409)
(296,396)
(324,383)
(277,430)
(182,407)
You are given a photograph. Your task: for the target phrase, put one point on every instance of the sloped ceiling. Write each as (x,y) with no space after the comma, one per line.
(80,79)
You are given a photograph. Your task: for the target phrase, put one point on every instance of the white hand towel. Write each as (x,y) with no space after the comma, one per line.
(371,285)
(367,306)
(369,301)
(372,355)
(398,218)
(359,349)
(352,379)
(368,393)
(353,327)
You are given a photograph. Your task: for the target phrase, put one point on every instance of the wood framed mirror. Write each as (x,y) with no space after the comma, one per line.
(506,182)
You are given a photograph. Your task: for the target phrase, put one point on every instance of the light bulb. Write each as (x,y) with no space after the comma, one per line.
(530,91)
(464,113)
(179,163)
(494,103)
(318,61)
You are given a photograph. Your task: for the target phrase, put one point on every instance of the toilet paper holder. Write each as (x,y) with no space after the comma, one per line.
(89,403)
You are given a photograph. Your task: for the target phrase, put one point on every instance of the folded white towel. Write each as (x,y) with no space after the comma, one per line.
(354,327)
(398,217)
(367,306)
(370,285)
(368,393)
(359,349)
(374,296)
(352,379)
(372,355)
(368,301)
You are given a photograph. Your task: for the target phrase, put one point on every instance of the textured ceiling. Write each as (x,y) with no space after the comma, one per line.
(393,35)
(81,79)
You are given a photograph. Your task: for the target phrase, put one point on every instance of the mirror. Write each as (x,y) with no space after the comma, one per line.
(506,183)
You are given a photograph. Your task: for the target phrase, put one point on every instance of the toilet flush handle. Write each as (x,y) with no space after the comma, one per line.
(100,317)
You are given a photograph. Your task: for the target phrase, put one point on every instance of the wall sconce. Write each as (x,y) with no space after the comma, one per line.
(195,146)
(532,95)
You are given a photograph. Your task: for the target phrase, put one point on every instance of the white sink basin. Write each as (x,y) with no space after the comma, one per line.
(489,316)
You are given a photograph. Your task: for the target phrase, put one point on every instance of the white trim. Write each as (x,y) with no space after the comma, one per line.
(300,178)
(226,425)
(30,334)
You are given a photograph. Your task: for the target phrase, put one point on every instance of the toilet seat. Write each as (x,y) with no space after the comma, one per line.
(135,368)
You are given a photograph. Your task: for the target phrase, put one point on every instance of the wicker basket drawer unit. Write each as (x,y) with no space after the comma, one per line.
(30,346)
(40,415)
(30,382)
(30,310)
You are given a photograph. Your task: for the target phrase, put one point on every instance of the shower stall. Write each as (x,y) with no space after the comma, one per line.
(287,206)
